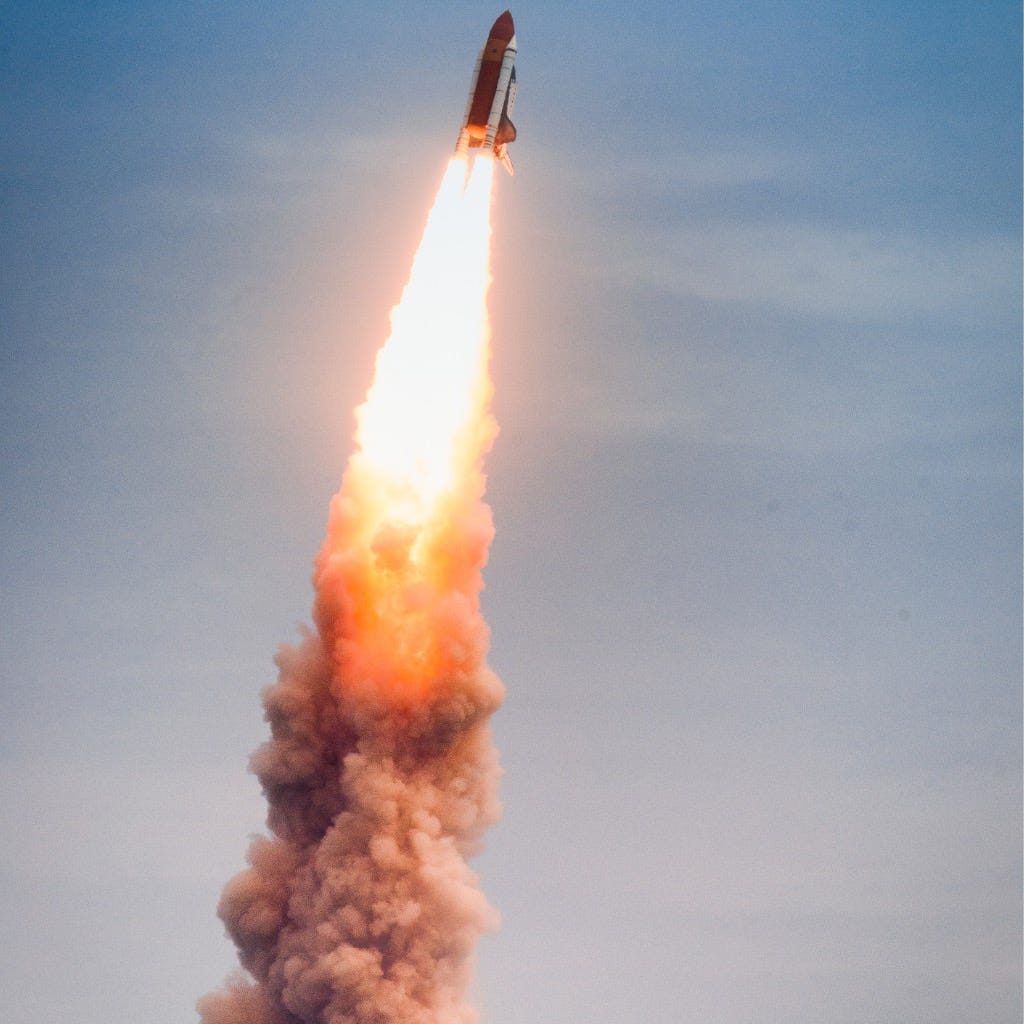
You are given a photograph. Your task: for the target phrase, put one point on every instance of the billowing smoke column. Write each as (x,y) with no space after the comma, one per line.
(380,774)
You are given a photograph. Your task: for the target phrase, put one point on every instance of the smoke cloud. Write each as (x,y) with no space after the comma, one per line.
(380,773)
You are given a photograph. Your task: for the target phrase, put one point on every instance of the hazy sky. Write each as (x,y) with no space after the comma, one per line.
(755,592)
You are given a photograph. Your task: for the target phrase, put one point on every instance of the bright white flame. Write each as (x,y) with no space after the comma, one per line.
(430,378)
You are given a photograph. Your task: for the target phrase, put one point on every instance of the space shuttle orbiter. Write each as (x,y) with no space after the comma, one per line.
(486,124)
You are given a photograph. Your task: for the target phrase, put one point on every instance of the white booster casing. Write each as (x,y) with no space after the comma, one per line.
(504,76)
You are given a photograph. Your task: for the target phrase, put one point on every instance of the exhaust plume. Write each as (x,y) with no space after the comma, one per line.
(380,774)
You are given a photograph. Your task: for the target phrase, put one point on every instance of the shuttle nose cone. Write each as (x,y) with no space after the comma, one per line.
(503,28)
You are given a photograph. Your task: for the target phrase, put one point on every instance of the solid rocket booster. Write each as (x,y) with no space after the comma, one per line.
(486,124)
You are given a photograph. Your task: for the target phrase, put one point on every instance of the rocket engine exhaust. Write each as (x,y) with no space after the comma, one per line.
(380,774)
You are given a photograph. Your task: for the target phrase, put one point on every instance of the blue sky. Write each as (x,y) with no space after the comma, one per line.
(755,590)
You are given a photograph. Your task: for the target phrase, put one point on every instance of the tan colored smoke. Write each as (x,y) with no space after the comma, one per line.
(380,774)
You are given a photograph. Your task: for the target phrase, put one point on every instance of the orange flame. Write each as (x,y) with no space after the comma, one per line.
(430,375)
(411,493)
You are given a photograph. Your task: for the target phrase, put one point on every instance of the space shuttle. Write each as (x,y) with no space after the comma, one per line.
(486,125)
